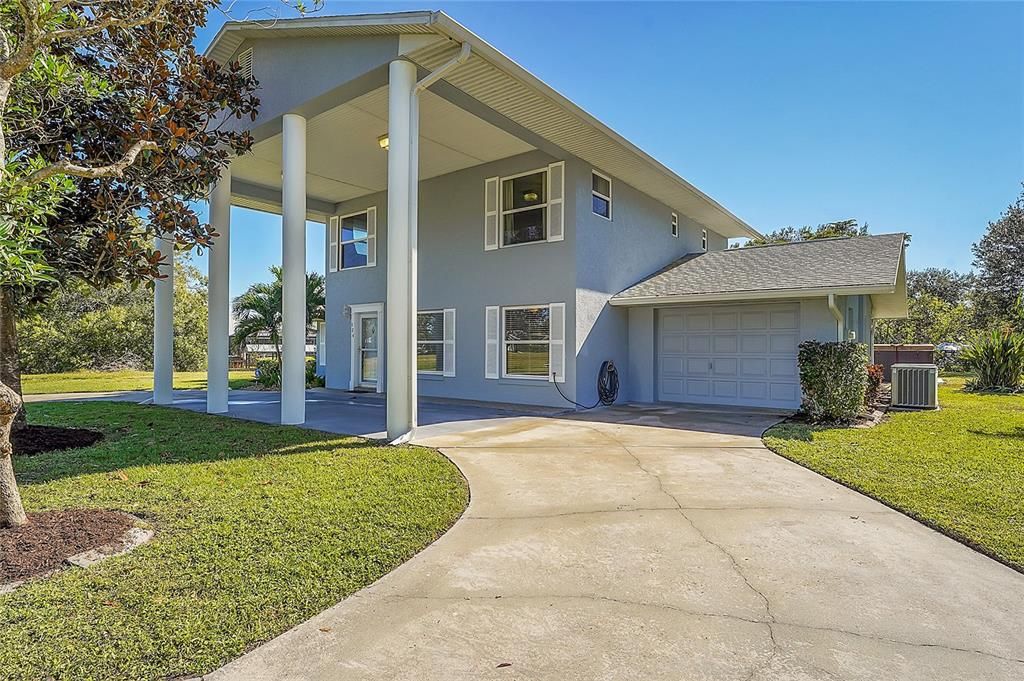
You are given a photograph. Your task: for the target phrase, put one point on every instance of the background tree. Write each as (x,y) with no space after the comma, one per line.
(81,327)
(259,309)
(110,123)
(999,259)
(828,230)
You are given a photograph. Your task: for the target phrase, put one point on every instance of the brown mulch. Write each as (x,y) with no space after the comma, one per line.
(37,439)
(48,538)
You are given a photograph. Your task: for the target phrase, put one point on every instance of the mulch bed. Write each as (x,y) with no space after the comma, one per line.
(37,439)
(50,537)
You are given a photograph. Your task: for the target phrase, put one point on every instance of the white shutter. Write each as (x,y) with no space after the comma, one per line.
(556,201)
(491,185)
(449,341)
(332,244)
(371,236)
(557,347)
(321,343)
(492,342)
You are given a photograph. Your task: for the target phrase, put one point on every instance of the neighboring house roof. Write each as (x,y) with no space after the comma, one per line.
(493,79)
(845,266)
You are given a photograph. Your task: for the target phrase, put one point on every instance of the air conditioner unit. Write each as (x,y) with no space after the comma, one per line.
(915,386)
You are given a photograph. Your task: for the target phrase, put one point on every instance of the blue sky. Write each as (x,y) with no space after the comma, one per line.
(908,116)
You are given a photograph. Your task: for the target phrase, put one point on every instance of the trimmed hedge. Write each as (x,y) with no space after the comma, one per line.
(834,380)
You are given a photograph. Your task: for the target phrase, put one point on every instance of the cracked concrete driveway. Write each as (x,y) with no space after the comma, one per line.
(661,543)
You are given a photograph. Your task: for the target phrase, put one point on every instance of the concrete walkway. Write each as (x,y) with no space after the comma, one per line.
(660,543)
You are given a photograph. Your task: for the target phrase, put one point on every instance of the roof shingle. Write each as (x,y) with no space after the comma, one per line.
(840,263)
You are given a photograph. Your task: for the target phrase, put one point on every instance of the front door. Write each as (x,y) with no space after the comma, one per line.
(368,346)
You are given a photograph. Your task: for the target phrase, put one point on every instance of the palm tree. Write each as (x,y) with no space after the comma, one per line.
(259,308)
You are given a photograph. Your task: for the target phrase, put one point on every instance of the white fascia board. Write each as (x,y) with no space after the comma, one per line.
(741,296)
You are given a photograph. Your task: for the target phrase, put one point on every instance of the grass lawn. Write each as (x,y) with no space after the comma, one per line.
(258,527)
(959,469)
(106,381)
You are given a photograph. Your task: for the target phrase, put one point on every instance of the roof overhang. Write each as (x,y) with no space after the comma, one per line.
(510,90)
(761,295)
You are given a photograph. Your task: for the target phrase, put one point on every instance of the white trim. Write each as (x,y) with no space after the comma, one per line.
(543,207)
(492,345)
(492,218)
(356,312)
(321,343)
(449,342)
(332,243)
(740,296)
(556,342)
(594,192)
(502,343)
(704,240)
(675,225)
(370,238)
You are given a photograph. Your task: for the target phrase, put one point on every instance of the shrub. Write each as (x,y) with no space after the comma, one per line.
(998,359)
(834,379)
(312,380)
(268,373)
(875,375)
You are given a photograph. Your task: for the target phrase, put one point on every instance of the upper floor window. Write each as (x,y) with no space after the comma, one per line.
(601,195)
(704,240)
(353,246)
(675,225)
(524,203)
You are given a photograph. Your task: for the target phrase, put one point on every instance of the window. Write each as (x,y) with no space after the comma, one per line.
(704,240)
(526,340)
(524,204)
(601,187)
(430,342)
(353,245)
(435,342)
(675,225)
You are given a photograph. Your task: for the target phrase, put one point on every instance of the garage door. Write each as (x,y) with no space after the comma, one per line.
(731,354)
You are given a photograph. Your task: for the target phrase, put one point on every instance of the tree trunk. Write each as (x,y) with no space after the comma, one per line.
(10,372)
(11,511)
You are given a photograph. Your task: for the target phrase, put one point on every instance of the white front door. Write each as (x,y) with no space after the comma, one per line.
(367,343)
(730,354)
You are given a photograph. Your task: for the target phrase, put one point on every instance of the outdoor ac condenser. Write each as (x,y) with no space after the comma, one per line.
(915,386)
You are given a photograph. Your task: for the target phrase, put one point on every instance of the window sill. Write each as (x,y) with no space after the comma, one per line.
(524,380)
(431,375)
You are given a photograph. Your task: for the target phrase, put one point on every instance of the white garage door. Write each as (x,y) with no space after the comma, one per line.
(730,354)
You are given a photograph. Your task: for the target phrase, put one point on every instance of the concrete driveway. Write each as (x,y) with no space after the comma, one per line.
(660,543)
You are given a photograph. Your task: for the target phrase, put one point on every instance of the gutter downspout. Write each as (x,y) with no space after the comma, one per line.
(440,71)
(838,314)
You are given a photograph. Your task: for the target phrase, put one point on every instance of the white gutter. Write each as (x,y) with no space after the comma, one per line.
(837,313)
(440,71)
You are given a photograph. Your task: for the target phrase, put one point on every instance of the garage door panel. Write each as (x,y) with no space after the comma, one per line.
(782,343)
(730,354)
(722,344)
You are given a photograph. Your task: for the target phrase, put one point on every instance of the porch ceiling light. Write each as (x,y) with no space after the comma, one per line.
(383,142)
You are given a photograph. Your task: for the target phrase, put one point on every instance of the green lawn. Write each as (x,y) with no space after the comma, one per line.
(106,381)
(258,527)
(959,469)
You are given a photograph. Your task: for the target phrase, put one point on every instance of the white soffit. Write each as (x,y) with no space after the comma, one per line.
(345,161)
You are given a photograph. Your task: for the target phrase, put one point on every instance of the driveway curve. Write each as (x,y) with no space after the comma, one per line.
(660,543)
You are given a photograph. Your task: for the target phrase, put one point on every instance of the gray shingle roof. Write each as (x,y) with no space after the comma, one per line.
(842,263)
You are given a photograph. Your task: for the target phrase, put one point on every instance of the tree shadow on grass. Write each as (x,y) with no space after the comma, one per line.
(139,435)
(1016,434)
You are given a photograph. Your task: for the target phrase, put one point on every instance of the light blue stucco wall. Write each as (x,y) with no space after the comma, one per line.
(456,272)
(611,256)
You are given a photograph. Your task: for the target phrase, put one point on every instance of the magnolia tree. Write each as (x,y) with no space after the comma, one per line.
(110,124)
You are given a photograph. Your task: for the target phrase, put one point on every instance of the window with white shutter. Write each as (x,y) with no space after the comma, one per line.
(491,341)
(354,240)
(435,342)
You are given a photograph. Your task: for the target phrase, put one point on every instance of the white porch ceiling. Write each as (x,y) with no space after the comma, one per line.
(344,160)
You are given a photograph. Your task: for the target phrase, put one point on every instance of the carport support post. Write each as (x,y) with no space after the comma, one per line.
(293,264)
(163,325)
(217,297)
(400,307)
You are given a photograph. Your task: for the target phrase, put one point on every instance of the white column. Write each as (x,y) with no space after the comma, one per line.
(163,326)
(293,262)
(400,307)
(218,303)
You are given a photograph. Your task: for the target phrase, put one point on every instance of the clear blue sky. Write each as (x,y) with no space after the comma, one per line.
(909,117)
